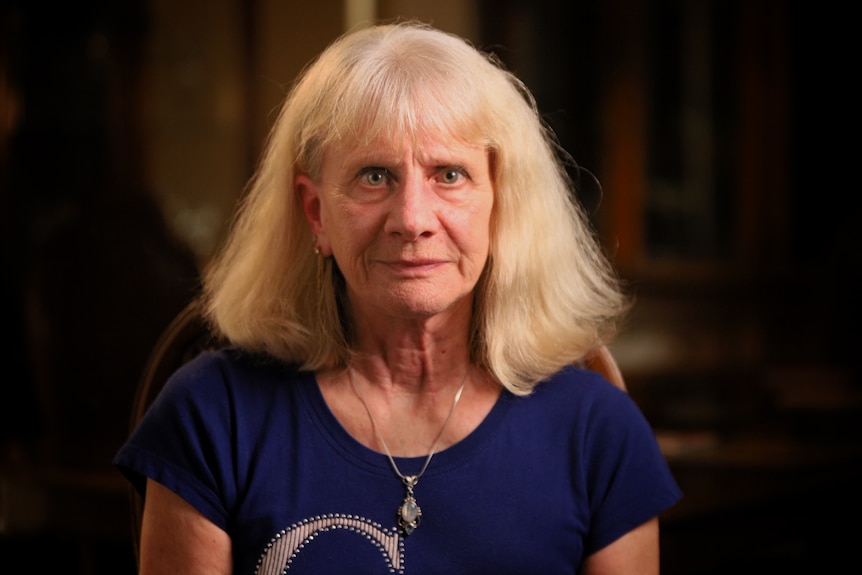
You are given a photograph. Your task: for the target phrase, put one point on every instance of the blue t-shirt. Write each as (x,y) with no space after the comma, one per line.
(542,482)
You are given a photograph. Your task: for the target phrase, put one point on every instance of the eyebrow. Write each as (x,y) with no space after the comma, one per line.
(369,157)
(438,156)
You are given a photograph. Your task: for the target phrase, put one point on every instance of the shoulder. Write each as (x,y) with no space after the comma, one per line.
(590,407)
(230,376)
(233,362)
(575,403)
(575,386)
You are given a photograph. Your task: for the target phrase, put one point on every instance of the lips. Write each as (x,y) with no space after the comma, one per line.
(414,265)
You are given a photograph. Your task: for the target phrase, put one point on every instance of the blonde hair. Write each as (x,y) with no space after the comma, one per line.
(547,295)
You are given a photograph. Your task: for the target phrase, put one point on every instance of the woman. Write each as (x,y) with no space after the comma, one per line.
(406,290)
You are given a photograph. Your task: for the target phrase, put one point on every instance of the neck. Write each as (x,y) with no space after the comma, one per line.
(407,419)
(378,434)
(415,354)
(409,396)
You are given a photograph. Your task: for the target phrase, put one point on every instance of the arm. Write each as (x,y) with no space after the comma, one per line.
(176,539)
(635,553)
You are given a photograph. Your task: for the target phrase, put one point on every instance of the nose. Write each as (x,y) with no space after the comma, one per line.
(412,214)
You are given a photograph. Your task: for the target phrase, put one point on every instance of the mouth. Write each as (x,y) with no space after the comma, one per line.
(414,267)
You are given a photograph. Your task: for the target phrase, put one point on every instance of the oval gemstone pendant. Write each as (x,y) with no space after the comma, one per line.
(409,515)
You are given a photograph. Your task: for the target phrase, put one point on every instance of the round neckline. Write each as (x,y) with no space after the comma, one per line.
(359,454)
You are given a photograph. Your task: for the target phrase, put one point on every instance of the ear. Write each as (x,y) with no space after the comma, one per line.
(308,194)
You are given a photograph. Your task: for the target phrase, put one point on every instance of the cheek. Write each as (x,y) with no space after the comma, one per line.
(350,233)
(478,228)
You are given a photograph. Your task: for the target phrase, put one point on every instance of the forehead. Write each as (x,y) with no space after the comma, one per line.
(421,116)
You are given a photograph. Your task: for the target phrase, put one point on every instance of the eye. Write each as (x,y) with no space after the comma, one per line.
(451,175)
(374,176)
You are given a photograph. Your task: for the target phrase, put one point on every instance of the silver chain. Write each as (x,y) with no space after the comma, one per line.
(409,480)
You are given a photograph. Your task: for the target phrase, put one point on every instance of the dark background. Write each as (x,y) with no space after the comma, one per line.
(750,296)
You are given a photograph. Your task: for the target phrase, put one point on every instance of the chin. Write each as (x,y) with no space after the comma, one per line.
(423,305)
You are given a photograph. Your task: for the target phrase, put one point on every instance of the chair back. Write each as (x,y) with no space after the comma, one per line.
(603,362)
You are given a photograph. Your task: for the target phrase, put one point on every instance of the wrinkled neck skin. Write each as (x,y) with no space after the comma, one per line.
(412,355)
(408,371)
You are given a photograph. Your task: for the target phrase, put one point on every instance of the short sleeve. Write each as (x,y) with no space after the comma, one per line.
(627,476)
(184,441)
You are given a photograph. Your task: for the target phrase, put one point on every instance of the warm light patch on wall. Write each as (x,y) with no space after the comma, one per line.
(359,13)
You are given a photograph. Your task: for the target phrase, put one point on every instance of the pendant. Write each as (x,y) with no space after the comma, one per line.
(409,513)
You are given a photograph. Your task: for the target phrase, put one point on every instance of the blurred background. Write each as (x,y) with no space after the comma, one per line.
(717,129)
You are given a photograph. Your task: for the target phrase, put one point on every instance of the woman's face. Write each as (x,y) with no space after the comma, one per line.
(409,226)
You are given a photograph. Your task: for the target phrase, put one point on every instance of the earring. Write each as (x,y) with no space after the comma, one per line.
(314,243)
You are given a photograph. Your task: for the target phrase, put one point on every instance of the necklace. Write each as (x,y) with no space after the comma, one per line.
(409,513)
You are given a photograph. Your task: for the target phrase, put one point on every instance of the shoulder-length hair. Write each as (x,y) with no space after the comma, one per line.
(547,295)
